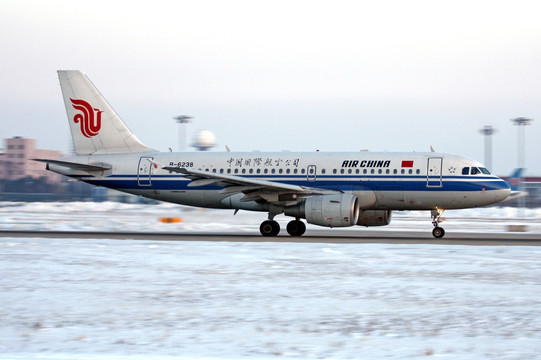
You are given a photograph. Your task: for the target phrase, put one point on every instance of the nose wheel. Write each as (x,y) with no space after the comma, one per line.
(438,231)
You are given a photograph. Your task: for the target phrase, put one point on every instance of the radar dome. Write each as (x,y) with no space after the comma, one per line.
(204,140)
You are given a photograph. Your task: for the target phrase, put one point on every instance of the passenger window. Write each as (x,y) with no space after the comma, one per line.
(395,171)
(229,171)
(417,171)
(288,171)
(380,171)
(236,171)
(280,171)
(266,171)
(294,171)
(372,171)
(357,171)
(273,171)
(364,171)
(387,171)
(251,171)
(410,171)
(302,171)
(341,171)
(334,171)
(402,171)
(466,171)
(258,171)
(323,171)
(350,171)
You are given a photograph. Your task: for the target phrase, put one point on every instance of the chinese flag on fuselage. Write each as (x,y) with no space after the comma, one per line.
(407,163)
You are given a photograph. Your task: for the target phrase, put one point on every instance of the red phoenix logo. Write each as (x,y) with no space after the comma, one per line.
(90,118)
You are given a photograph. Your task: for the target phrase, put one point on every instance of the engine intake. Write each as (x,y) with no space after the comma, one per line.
(336,210)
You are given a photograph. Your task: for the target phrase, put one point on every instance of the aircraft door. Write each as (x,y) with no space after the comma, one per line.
(144,171)
(311,172)
(434,172)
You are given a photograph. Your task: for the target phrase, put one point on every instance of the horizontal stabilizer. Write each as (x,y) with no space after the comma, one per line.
(75,166)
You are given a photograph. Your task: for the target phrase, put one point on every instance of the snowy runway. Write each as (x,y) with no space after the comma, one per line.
(140,299)
(108,299)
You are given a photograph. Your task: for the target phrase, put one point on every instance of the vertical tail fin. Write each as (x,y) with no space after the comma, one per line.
(516,178)
(95,126)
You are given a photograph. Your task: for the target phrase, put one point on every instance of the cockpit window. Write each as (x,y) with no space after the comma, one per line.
(485,171)
(475,171)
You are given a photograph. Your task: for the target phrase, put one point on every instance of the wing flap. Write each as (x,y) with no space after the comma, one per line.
(203,182)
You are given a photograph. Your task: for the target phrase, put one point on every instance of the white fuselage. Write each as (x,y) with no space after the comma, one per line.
(399,181)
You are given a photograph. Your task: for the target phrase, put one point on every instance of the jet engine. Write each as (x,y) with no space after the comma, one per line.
(336,210)
(374,217)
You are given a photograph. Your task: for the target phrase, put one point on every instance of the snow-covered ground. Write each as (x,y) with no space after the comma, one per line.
(110,299)
(112,216)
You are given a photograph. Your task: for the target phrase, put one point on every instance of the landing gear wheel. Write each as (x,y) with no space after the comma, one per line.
(269,228)
(296,228)
(438,232)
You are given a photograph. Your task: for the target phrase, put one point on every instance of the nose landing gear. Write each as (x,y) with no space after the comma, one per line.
(437,232)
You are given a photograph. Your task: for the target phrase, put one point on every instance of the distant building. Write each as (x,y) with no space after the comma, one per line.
(15,160)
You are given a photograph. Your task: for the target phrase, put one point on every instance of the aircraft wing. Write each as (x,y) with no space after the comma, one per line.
(75,166)
(253,189)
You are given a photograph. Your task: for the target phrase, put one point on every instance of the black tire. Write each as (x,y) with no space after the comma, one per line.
(438,232)
(269,228)
(296,228)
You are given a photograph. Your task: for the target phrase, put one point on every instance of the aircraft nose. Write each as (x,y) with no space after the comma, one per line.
(504,191)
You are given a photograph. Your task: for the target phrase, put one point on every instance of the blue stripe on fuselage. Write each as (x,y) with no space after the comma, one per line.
(344,183)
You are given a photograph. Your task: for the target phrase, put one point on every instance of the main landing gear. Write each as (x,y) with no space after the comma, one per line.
(272,228)
(296,228)
(437,232)
(269,228)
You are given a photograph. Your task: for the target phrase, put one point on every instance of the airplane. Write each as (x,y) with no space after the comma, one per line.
(329,189)
(516,183)
(515,179)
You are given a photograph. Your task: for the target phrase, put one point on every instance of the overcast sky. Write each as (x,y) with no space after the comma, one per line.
(277,75)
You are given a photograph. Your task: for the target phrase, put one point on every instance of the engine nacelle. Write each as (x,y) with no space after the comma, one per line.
(374,217)
(336,210)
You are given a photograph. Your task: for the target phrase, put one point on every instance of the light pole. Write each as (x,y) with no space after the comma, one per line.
(521,123)
(181,120)
(488,131)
